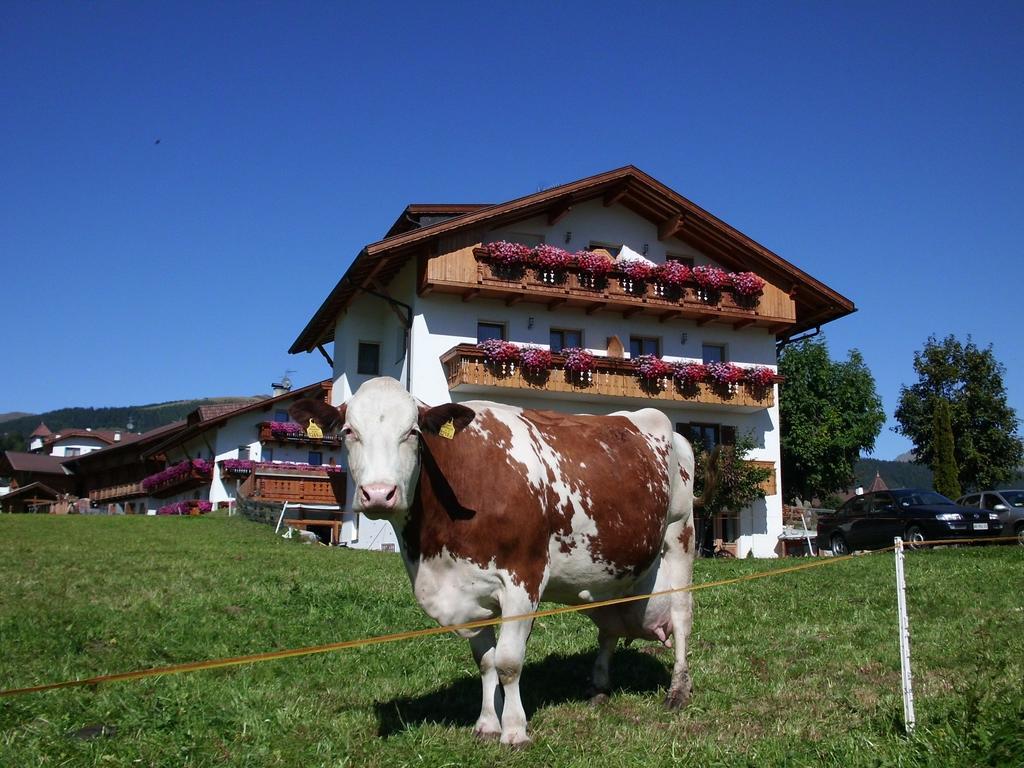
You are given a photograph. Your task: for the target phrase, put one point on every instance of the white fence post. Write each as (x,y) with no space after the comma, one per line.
(901,603)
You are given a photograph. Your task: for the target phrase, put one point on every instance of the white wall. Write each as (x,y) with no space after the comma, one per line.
(83,443)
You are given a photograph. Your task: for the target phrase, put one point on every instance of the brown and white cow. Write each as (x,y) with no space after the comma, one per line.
(518,505)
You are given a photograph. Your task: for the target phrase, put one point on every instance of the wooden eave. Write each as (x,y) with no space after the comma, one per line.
(675,216)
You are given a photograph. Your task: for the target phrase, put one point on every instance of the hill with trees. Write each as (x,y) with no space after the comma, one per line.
(142,417)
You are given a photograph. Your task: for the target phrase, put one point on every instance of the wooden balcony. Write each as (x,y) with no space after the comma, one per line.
(117,492)
(467,371)
(302,486)
(466,273)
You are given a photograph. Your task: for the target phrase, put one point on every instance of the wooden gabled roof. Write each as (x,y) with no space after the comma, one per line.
(675,216)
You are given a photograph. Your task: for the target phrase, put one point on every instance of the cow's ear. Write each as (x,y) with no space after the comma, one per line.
(432,419)
(327,416)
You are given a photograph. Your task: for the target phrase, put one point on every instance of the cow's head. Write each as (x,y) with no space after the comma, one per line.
(383,426)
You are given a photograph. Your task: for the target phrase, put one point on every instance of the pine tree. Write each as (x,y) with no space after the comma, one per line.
(944,467)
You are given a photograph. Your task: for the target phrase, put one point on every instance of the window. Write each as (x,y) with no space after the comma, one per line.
(564,339)
(713,353)
(387,547)
(612,248)
(644,345)
(369,358)
(243,452)
(316,458)
(990,501)
(882,503)
(485,331)
(281,415)
(707,436)
(971,501)
(72,451)
(268,453)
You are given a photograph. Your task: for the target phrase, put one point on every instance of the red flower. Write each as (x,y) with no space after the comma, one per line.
(636,269)
(691,373)
(510,254)
(714,278)
(673,273)
(747,284)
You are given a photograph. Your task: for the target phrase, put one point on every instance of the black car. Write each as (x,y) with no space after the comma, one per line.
(873,520)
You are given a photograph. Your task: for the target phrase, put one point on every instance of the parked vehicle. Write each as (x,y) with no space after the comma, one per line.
(873,520)
(1009,505)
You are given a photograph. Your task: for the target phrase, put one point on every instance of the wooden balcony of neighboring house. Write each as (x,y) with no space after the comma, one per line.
(279,432)
(468,273)
(195,476)
(468,371)
(113,493)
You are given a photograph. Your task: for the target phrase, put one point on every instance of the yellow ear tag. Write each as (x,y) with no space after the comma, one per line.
(313,430)
(447,430)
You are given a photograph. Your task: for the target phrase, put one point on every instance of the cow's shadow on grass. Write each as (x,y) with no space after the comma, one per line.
(556,679)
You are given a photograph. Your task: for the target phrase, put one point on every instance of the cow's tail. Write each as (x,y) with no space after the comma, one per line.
(710,468)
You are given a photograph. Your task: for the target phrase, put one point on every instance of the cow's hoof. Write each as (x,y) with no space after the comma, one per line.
(487,734)
(599,699)
(677,699)
(516,739)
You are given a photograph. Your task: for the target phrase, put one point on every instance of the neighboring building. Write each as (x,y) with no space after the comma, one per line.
(415,304)
(24,469)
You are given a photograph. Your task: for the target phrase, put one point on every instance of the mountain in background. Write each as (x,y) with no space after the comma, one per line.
(12,415)
(896,474)
(143,417)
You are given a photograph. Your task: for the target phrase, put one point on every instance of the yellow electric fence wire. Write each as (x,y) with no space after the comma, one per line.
(416,633)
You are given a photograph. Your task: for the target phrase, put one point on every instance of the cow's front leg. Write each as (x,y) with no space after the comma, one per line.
(488,725)
(508,662)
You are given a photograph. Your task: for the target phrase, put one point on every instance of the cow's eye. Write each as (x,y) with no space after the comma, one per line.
(348,433)
(413,434)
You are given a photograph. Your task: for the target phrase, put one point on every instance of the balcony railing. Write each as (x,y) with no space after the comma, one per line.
(281,432)
(468,273)
(117,492)
(466,369)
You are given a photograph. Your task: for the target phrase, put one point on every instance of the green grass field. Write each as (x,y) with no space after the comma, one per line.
(802,669)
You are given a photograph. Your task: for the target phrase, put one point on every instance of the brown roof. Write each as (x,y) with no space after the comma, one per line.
(677,216)
(103,435)
(129,442)
(42,463)
(878,484)
(419,215)
(32,488)
(197,426)
(41,431)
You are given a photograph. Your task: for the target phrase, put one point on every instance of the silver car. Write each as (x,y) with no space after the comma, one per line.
(1009,505)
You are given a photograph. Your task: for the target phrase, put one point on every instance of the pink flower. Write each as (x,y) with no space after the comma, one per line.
(578,360)
(653,367)
(509,254)
(673,273)
(499,351)
(747,284)
(713,278)
(550,257)
(691,373)
(760,376)
(636,269)
(536,359)
(592,263)
(724,373)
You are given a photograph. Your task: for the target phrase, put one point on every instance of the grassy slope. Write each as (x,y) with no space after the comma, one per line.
(798,670)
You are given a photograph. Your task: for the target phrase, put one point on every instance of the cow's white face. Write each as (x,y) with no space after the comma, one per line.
(382,439)
(382,430)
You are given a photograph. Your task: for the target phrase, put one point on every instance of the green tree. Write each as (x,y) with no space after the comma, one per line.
(987,447)
(944,467)
(830,413)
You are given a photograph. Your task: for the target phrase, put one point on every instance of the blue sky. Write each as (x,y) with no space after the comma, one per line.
(875,145)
